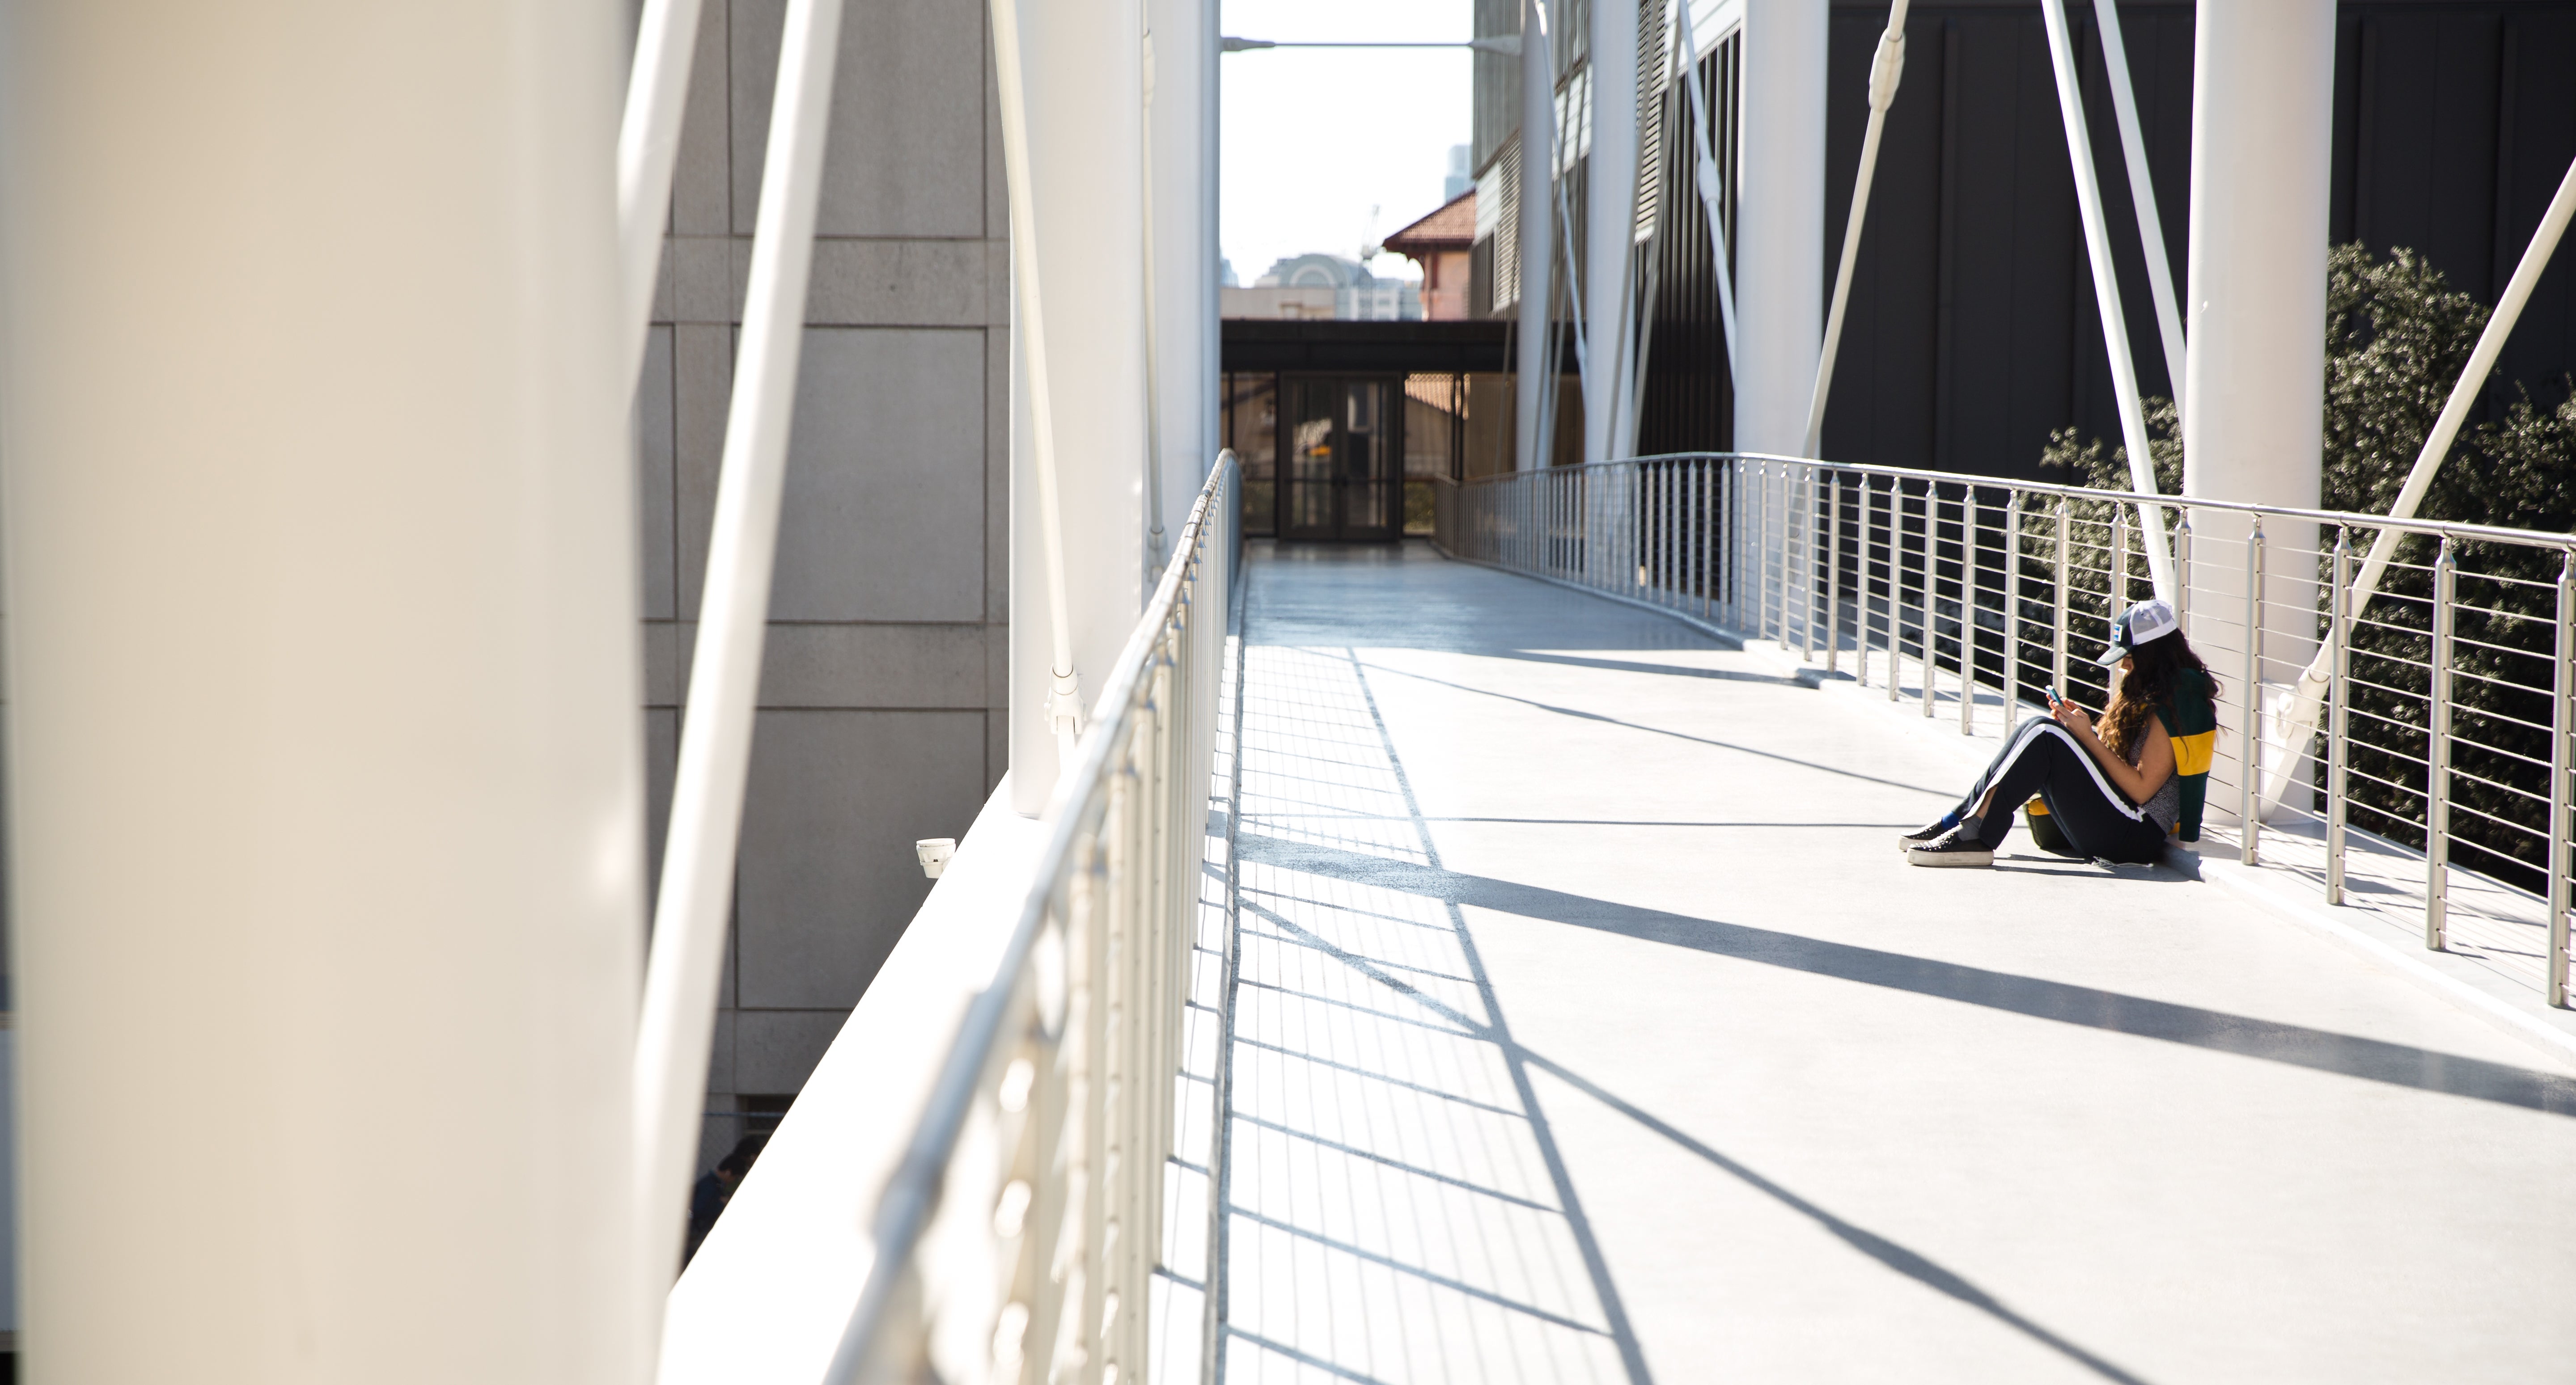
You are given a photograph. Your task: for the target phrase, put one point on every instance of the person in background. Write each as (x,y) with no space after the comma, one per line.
(707,1200)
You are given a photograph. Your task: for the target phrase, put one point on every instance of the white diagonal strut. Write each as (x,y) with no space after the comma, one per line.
(1886,69)
(689,917)
(2142,192)
(2106,296)
(648,149)
(2304,709)
(1704,175)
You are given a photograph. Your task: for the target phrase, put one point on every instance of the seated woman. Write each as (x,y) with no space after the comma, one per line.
(2116,795)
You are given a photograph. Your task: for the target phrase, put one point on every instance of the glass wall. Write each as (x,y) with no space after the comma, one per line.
(1344,457)
(1249,423)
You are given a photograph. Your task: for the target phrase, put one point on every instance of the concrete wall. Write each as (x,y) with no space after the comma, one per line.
(887,651)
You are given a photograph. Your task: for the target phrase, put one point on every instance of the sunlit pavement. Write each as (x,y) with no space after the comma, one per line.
(1589,1027)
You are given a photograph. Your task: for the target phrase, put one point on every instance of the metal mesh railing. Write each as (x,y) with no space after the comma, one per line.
(1016,1239)
(2441,731)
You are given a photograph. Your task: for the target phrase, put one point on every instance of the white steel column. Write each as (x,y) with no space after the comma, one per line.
(1182,80)
(323,699)
(1780,230)
(1609,219)
(1083,74)
(1212,245)
(2262,134)
(1537,233)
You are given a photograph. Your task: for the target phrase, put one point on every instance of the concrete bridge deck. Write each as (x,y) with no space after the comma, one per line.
(1589,1028)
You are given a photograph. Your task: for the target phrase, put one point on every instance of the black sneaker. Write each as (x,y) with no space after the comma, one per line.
(1925,836)
(1959,848)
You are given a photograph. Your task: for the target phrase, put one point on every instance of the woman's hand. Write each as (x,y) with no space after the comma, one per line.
(2072,718)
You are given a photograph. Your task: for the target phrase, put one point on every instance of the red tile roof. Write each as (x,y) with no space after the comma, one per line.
(1453,227)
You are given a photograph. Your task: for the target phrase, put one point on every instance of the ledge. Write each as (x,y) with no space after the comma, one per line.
(770,1290)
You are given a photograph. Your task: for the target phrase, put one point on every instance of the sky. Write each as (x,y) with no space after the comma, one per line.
(1326,149)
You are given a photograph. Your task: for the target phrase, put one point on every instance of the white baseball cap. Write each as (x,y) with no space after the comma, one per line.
(2148,620)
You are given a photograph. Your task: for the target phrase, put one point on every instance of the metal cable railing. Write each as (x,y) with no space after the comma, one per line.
(1016,1237)
(2448,717)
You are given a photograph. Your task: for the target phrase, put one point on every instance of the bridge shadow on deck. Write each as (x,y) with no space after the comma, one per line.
(2346,1054)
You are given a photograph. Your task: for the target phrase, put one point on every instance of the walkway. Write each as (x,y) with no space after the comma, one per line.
(1588,1028)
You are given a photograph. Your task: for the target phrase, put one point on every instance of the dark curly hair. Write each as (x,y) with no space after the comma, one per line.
(2156,670)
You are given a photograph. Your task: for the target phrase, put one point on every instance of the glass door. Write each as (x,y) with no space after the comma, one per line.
(1371,456)
(1307,455)
(1339,454)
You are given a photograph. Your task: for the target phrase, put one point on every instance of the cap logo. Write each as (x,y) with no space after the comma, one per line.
(2148,620)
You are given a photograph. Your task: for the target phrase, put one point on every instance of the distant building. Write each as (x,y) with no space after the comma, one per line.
(1319,287)
(1461,177)
(1441,243)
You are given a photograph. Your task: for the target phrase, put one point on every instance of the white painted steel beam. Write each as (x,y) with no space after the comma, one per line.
(648,152)
(2302,717)
(1072,94)
(1886,69)
(1707,181)
(1609,219)
(327,792)
(696,901)
(2106,300)
(1780,230)
(1536,235)
(2142,192)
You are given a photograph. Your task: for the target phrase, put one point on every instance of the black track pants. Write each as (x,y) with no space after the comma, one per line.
(2042,759)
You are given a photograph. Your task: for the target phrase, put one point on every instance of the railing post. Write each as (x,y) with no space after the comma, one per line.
(2437,759)
(1543,521)
(2182,572)
(2065,517)
(2119,559)
(1931,571)
(2338,748)
(1671,479)
(2012,609)
(2249,763)
(1807,562)
(1834,575)
(2562,724)
(1784,553)
(1703,530)
(1896,602)
(1860,589)
(1966,611)
(1730,481)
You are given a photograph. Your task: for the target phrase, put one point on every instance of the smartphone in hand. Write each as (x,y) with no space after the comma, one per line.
(2053,698)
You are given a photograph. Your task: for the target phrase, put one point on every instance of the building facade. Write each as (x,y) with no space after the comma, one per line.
(887,652)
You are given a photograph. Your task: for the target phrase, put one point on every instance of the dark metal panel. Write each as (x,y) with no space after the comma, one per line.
(1972,331)
(1363,348)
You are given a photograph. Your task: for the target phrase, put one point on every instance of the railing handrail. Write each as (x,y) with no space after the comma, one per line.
(2344,518)
(911,1194)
